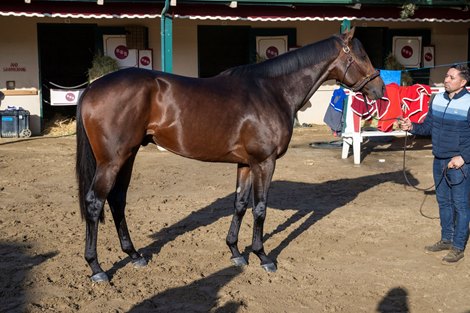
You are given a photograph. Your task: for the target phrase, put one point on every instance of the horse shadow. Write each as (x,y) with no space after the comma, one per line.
(200,296)
(318,200)
(15,263)
(396,300)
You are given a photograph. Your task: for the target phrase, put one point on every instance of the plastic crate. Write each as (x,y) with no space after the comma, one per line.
(14,123)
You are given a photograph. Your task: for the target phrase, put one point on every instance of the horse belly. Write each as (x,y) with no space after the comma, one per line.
(206,146)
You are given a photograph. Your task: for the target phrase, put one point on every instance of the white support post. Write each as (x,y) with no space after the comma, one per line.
(354,138)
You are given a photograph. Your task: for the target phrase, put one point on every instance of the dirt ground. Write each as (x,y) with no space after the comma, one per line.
(345,238)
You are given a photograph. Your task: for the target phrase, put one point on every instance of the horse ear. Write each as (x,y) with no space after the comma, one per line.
(349,35)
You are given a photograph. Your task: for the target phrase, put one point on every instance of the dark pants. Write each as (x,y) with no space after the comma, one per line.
(452,193)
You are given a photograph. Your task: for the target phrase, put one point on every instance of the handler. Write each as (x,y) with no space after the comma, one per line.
(448,122)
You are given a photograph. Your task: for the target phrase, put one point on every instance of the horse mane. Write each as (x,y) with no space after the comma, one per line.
(289,62)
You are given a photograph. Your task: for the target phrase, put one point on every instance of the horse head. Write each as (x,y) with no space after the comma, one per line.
(354,69)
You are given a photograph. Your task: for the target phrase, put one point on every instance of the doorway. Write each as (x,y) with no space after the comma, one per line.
(373,40)
(65,54)
(468,46)
(222,47)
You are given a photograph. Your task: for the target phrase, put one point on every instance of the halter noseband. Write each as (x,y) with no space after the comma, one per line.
(357,86)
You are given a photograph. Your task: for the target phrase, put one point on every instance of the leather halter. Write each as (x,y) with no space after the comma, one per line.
(361,83)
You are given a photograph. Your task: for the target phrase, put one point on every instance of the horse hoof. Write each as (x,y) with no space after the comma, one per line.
(269,267)
(239,261)
(140,262)
(100,277)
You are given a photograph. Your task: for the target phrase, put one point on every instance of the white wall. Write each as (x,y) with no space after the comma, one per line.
(451,46)
(19,42)
(19,46)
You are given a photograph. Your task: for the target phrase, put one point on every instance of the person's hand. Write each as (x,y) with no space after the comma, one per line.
(404,124)
(456,162)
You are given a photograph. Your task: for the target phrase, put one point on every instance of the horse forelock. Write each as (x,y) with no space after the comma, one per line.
(291,61)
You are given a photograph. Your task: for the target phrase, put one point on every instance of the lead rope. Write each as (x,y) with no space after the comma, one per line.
(443,175)
(417,188)
(404,169)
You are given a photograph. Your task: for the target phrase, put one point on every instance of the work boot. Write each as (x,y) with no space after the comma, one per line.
(441,245)
(453,256)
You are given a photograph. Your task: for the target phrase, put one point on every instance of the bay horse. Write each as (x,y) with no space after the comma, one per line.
(244,115)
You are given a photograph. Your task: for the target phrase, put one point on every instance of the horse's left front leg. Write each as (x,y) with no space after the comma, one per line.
(262,175)
(241,203)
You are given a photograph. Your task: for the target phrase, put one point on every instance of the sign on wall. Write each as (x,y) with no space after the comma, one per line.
(428,56)
(407,50)
(115,46)
(145,59)
(14,67)
(65,97)
(269,47)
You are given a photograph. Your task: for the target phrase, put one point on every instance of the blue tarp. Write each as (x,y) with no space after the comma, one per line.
(391,76)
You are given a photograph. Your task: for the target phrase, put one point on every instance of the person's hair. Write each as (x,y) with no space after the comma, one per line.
(464,72)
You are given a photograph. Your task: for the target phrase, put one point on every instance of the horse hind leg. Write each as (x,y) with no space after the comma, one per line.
(94,203)
(117,203)
(241,202)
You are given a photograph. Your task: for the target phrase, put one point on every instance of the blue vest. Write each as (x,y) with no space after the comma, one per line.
(448,122)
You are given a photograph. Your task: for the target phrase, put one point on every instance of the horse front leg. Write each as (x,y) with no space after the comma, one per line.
(117,203)
(262,176)
(241,203)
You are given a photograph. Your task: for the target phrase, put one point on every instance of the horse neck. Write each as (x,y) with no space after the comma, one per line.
(299,86)
(293,77)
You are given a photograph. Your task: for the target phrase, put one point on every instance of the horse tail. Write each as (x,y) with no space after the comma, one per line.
(85,165)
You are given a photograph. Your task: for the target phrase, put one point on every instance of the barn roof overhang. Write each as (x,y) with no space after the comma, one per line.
(244,10)
(433,3)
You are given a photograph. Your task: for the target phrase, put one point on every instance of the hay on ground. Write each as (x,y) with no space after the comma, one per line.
(60,126)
